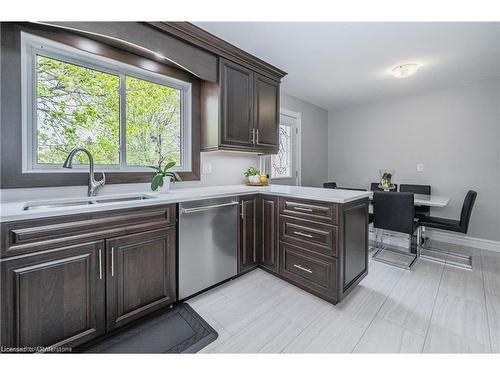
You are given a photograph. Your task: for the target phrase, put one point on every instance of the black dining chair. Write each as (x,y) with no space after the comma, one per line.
(396,212)
(458,226)
(329,185)
(420,211)
(374,187)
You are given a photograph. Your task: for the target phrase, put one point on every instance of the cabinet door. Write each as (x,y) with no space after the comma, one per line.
(54,298)
(141,275)
(266,113)
(269,233)
(249,235)
(236,106)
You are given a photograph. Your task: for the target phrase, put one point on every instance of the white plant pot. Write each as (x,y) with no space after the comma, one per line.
(167,181)
(254,179)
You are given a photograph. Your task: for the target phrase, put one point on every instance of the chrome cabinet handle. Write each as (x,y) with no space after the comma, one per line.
(302,234)
(100,264)
(302,268)
(250,115)
(112,261)
(257,131)
(252,131)
(242,211)
(303,209)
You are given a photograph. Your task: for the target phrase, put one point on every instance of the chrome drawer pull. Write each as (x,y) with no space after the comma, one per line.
(303,209)
(302,268)
(302,234)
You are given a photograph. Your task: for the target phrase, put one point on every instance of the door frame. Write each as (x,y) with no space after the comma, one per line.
(298,136)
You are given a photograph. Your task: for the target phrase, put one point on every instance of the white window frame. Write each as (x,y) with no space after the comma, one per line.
(32,45)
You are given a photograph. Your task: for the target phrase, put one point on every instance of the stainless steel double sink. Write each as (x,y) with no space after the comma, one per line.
(85,202)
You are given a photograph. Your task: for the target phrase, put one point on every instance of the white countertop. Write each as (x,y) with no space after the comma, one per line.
(14,211)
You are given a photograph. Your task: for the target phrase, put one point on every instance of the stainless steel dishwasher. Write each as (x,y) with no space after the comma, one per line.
(208,232)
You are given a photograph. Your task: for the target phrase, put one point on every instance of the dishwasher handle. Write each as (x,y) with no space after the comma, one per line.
(206,208)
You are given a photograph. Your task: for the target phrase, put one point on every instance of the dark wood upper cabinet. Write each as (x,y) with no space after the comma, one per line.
(241,111)
(266,113)
(140,275)
(54,298)
(248,233)
(236,85)
(269,233)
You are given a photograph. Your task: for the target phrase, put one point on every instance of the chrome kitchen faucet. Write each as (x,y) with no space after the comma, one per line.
(93,184)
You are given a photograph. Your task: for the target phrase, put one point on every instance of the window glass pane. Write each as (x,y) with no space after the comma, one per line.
(153,130)
(281,163)
(76,107)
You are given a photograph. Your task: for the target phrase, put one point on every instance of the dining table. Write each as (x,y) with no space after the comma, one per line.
(438,201)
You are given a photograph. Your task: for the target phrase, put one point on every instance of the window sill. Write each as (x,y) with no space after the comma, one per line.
(33,180)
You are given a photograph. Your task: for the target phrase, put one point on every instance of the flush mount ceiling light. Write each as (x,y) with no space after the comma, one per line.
(405,70)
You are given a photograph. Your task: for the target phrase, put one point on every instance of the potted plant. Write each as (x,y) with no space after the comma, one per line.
(253,175)
(386,179)
(162,178)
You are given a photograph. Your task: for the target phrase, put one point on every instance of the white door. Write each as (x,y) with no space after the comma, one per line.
(284,167)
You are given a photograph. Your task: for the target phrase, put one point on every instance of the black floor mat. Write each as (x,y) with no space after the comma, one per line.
(178,330)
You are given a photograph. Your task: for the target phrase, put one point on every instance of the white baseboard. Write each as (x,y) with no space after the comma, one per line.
(457,239)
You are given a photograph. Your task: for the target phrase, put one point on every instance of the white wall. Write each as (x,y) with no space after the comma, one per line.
(227,168)
(314,139)
(455,133)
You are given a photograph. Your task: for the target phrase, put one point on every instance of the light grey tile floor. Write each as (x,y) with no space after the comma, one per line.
(431,309)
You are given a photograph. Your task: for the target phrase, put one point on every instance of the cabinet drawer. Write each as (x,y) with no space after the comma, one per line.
(26,236)
(312,271)
(313,236)
(307,209)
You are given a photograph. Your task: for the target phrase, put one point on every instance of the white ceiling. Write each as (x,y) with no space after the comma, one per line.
(334,64)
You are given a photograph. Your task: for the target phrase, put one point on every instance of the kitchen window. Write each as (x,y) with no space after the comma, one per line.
(126,116)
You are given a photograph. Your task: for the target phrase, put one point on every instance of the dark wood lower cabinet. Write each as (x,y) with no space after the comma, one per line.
(248,233)
(141,275)
(54,298)
(68,295)
(269,233)
(323,246)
